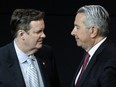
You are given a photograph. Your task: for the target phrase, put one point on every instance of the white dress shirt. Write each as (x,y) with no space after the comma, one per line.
(22,57)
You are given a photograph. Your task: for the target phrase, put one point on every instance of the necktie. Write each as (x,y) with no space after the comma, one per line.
(32,74)
(83,67)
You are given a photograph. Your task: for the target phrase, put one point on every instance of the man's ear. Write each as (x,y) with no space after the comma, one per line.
(94,32)
(21,34)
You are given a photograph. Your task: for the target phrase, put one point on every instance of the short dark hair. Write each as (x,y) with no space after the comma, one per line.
(21,19)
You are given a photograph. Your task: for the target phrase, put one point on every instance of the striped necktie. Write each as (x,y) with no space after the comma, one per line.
(32,75)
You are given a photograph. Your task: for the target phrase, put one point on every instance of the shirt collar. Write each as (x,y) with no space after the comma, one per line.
(32,57)
(22,57)
(94,48)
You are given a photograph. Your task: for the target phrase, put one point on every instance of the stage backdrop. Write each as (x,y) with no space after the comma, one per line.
(59,18)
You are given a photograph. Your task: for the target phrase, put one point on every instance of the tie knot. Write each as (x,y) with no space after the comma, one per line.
(87,55)
(30,60)
(86,59)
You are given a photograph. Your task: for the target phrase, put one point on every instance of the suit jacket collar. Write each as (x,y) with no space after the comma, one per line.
(42,61)
(42,66)
(91,63)
(14,67)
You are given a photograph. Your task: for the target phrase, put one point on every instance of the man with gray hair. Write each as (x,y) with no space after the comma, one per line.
(91,30)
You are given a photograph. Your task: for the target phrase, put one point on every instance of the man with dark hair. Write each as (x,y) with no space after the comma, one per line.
(27,27)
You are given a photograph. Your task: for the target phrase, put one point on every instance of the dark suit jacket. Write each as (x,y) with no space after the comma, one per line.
(10,72)
(101,70)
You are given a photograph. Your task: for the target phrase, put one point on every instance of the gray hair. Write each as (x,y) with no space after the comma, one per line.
(96,15)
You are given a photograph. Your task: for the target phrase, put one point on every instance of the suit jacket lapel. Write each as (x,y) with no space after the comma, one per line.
(92,62)
(15,68)
(77,71)
(41,59)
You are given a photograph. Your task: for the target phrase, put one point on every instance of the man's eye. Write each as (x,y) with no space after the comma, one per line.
(38,32)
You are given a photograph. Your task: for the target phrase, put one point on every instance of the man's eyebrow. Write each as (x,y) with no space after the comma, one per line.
(76,25)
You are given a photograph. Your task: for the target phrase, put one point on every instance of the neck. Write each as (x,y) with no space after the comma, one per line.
(94,42)
(23,48)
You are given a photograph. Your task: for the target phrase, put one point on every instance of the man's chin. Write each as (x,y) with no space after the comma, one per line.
(78,44)
(40,46)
